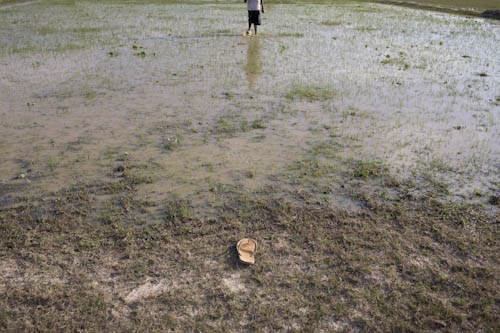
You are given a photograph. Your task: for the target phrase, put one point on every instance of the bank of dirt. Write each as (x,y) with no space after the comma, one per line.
(470,10)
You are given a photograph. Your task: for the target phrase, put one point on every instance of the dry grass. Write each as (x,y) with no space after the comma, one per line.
(404,264)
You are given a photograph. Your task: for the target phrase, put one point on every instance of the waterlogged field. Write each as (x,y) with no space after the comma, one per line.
(358,143)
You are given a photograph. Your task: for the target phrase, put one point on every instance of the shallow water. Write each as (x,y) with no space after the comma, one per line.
(176,91)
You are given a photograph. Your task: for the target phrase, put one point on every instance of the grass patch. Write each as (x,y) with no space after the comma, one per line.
(331,23)
(47,30)
(45,305)
(258,124)
(311,167)
(137,179)
(365,29)
(230,125)
(403,65)
(226,126)
(309,93)
(86,30)
(400,265)
(291,34)
(440,165)
(328,149)
(171,143)
(369,169)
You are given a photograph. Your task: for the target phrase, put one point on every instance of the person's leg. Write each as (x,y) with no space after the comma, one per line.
(249,23)
(257,21)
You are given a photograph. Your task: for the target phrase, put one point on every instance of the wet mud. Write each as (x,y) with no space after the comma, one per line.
(195,103)
(493,14)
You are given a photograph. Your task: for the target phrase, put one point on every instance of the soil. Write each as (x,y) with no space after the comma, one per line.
(492,14)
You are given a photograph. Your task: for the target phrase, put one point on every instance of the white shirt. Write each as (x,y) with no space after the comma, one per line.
(253,4)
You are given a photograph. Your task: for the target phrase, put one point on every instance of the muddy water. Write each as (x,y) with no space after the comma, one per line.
(177,93)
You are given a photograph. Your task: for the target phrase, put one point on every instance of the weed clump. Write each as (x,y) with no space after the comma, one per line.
(370,169)
(311,168)
(227,126)
(258,124)
(310,93)
(171,143)
(291,34)
(331,23)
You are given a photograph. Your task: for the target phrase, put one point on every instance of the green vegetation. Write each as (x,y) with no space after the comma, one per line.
(290,34)
(258,124)
(228,126)
(171,143)
(331,23)
(370,169)
(311,168)
(310,93)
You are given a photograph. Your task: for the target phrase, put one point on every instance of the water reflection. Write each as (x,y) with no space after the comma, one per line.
(254,66)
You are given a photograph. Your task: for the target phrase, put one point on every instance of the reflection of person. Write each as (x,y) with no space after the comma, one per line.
(254,66)
(254,9)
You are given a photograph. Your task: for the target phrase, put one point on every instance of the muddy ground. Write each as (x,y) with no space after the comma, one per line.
(358,143)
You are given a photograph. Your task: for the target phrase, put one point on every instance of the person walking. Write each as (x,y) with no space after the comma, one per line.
(254,9)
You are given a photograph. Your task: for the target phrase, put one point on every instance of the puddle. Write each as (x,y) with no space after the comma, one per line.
(254,65)
(175,90)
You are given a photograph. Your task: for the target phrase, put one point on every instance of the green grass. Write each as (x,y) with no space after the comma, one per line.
(227,126)
(258,124)
(331,23)
(366,29)
(291,34)
(87,30)
(171,143)
(231,125)
(440,165)
(137,179)
(368,169)
(310,93)
(312,167)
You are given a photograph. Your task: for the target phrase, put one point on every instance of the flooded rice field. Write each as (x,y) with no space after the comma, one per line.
(357,143)
(177,92)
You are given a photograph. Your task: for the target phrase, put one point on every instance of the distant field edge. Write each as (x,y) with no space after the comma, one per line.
(483,8)
(10,2)
(479,10)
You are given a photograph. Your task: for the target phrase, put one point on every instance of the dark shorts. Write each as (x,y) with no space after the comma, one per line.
(254,17)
